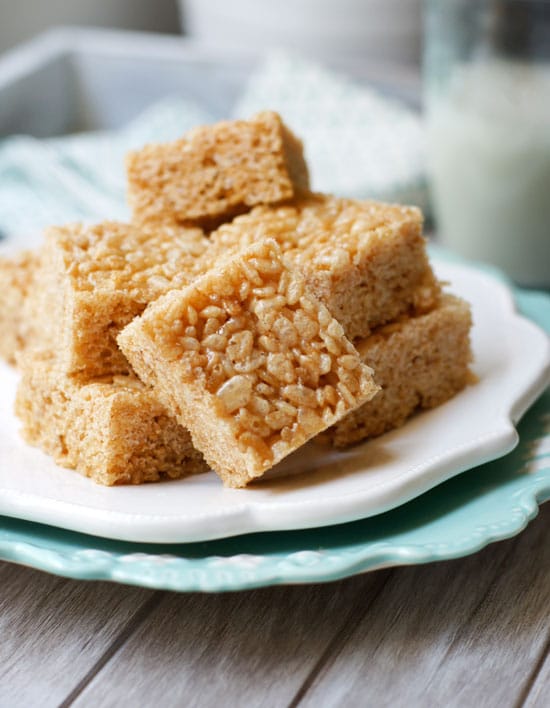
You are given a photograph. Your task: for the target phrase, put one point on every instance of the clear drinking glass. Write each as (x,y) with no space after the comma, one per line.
(487,78)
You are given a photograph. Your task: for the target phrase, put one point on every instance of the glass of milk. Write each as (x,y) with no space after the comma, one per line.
(487,70)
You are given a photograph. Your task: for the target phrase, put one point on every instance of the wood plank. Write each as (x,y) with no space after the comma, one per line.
(452,633)
(459,633)
(538,695)
(53,631)
(245,649)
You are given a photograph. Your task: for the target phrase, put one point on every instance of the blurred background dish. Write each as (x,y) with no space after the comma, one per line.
(23,19)
(358,30)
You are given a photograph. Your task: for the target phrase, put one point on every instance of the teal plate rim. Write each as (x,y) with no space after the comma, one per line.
(485,504)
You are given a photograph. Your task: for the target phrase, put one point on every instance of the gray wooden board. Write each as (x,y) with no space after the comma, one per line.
(538,695)
(53,631)
(459,633)
(248,649)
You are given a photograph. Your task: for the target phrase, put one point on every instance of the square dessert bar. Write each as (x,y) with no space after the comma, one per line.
(17,277)
(112,429)
(366,261)
(96,279)
(419,362)
(216,171)
(247,359)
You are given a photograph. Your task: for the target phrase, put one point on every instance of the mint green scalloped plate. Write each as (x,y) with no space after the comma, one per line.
(485,504)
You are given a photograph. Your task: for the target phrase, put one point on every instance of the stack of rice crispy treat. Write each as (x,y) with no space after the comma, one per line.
(238,316)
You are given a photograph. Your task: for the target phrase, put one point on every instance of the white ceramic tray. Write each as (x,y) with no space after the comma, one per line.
(323,486)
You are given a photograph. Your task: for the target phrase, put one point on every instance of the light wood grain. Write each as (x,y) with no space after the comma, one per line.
(538,695)
(53,631)
(459,633)
(248,649)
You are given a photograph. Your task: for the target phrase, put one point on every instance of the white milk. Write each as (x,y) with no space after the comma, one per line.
(489,143)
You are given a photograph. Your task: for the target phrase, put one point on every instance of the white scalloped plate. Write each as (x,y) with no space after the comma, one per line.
(324,487)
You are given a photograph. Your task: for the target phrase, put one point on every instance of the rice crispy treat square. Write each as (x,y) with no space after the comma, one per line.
(17,277)
(249,361)
(216,171)
(111,429)
(419,362)
(96,279)
(366,261)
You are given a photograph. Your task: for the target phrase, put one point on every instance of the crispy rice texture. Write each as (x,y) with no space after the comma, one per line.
(111,429)
(216,171)
(366,261)
(249,360)
(95,279)
(419,362)
(17,327)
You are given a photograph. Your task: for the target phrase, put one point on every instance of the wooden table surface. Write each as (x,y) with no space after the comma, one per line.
(467,632)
